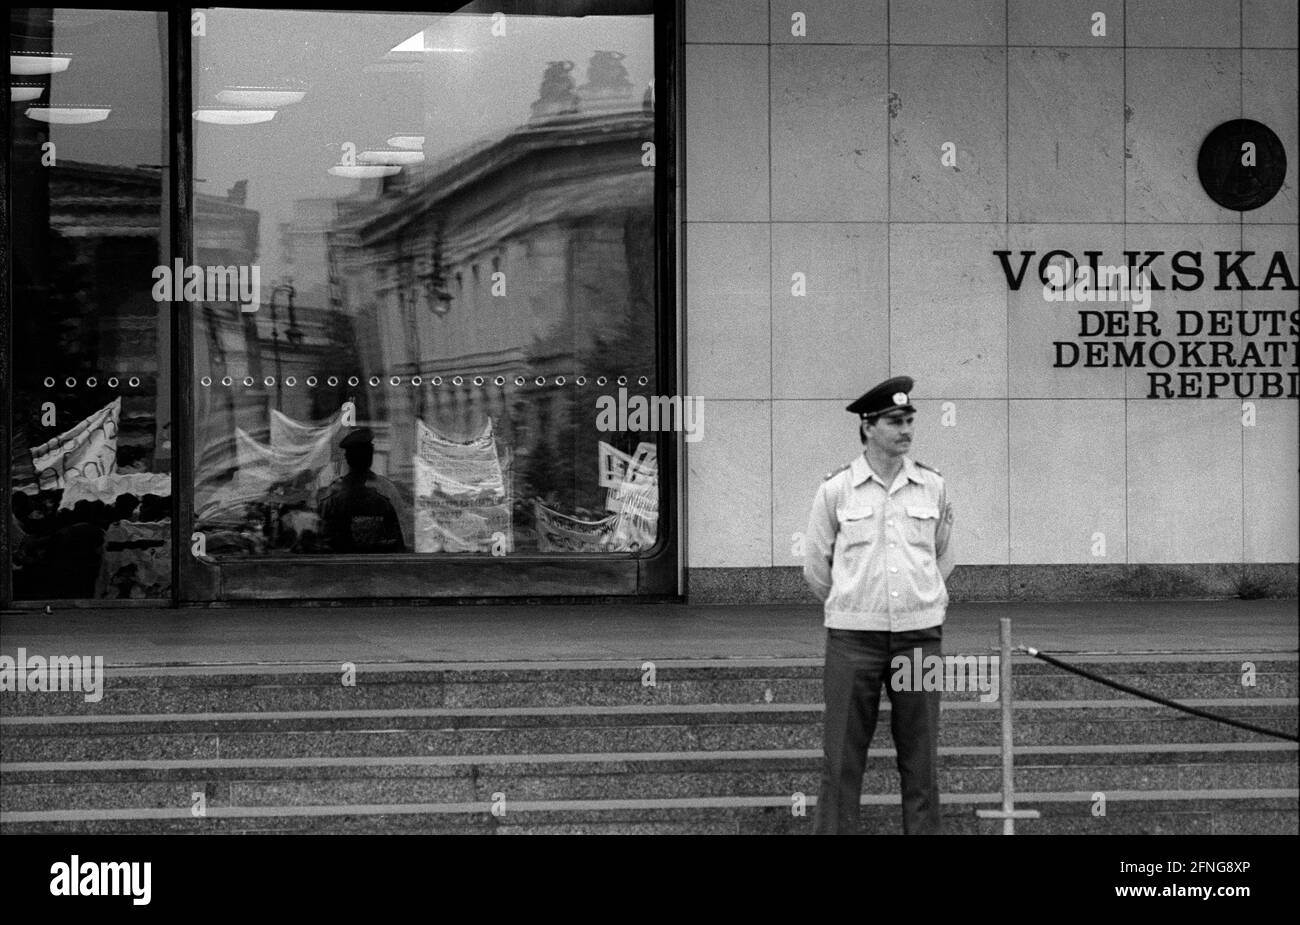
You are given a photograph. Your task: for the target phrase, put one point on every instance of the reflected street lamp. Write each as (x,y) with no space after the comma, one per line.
(435,280)
(294,334)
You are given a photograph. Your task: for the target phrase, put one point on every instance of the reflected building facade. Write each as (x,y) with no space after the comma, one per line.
(528,259)
(463,311)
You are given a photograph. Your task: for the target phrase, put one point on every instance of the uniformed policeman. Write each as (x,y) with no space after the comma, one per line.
(878,551)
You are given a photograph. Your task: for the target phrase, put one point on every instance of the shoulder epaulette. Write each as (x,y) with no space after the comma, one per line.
(830,475)
(924,466)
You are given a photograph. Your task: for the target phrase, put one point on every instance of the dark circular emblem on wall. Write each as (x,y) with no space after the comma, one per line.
(1242,164)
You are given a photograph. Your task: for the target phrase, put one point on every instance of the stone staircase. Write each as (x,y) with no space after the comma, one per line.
(713,746)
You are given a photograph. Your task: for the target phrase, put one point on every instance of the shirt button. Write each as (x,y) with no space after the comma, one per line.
(891,523)
(894,569)
(894,593)
(892,545)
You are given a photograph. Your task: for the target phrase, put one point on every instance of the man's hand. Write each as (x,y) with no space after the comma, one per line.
(943,538)
(819,545)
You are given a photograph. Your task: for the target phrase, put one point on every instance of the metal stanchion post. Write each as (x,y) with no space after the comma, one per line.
(1008,813)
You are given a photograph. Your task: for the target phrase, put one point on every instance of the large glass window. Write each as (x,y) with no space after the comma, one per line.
(425,246)
(91,441)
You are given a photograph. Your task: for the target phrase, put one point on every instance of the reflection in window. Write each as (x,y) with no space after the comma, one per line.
(90,495)
(452,219)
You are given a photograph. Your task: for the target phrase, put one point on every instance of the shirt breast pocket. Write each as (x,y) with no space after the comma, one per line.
(921,523)
(857,527)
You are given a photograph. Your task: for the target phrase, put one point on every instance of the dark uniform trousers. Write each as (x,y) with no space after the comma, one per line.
(857,665)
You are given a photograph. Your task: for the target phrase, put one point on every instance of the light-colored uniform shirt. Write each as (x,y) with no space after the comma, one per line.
(877,555)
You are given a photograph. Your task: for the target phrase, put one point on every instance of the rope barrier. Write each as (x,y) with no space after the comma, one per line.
(1156,698)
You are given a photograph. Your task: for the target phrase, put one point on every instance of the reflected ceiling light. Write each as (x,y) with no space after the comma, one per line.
(259,97)
(390,157)
(68,115)
(406,142)
(364,171)
(420,42)
(27,63)
(216,116)
(414,43)
(22,93)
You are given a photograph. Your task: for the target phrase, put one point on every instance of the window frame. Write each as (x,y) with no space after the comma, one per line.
(174,22)
(656,574)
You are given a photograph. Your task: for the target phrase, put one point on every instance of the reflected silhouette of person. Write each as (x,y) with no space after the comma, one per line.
(76,547)
(359,509)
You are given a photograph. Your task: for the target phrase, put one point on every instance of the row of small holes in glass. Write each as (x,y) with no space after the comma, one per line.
(375,381)
(92,382)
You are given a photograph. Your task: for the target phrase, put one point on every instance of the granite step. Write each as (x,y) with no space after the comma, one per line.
(711,746)
(1155,812)
(537,730)
(228,689)
(246,783)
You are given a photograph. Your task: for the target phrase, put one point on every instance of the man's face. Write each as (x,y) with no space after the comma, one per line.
(891,433)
